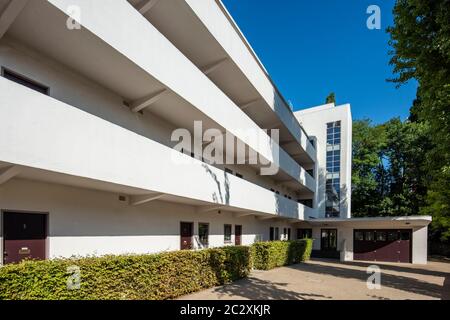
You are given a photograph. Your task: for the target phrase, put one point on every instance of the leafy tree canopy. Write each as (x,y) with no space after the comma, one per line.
(387,175)
(330,98)
(420,39)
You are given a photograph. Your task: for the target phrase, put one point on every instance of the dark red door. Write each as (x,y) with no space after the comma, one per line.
(388,245)
(186,235)
(404,246)
(364,245)
(387,248)
(237,235)
(24,236)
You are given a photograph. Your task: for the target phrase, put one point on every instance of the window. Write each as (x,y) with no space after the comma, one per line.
(333,167)
(272,234)
(392,236)
(284,233)
(227,233)
(203,234)
(17,78)
(304,233)
(277,233)
(369,236)
(239,175)
(359,235)
(332,212)
(405,235)
(381,236)
(289,234)
(228,171)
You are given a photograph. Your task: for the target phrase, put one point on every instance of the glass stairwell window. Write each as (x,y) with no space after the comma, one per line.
(333,181)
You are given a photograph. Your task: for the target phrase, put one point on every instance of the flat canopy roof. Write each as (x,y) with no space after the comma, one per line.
(418,221)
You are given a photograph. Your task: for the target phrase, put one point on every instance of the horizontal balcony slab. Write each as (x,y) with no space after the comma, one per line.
(222,27)
(45,134)
(236,69)
(130,55)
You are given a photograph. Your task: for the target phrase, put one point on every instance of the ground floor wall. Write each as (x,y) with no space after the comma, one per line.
(85,222)
(345,238)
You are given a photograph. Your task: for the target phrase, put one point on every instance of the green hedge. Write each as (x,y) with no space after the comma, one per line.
(272,254)
(156,276)
(141,277)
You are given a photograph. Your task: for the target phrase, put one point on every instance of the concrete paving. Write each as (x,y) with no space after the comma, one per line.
(331,279)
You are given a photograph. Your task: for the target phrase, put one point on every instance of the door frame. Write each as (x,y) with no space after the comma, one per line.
(192,233)
(411,234)
(321,240)
(2,230)
(240,235)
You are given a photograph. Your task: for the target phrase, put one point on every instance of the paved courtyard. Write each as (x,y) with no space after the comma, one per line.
(329,279)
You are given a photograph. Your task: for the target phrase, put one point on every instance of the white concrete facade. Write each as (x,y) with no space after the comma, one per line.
(90,222)
(116,93)
(315,120)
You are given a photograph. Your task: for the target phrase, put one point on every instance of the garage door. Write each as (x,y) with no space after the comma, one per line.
(388,245)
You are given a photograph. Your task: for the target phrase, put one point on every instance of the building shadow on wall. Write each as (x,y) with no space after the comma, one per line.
(343,201)
(321,180)
(222,195)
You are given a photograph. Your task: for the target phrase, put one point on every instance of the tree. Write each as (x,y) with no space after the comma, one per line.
(420,39)
(388,170)
(407,144)
(368,141)
(330,98)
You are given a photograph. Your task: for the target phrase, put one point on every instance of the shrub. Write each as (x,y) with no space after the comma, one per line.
(153,276)
(269,255)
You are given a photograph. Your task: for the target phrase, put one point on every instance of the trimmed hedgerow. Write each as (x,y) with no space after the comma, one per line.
(142,277)
(153,276)
(272,254)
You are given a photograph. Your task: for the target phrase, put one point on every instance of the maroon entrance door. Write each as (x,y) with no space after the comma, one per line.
(186,229)
(405,246)
(390,245)
(24,236)
(237,235)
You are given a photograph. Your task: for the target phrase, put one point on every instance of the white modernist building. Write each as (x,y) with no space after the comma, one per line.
(96,98)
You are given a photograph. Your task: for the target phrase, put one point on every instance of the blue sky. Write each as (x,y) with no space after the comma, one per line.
(314,47)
